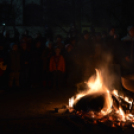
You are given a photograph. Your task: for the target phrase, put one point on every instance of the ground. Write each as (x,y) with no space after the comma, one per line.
(32,111)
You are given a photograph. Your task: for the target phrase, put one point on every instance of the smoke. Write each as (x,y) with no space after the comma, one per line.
(110,72)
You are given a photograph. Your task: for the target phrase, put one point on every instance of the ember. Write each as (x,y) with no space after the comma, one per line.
(100,104)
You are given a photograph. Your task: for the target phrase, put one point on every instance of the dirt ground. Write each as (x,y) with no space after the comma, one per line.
(32,112)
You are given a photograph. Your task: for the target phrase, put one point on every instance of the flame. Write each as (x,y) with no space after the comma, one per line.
(96,86)
(122,114)
(115,92)
(71,102)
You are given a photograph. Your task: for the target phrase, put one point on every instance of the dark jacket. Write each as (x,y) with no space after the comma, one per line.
(24,59)
(14,60)
(128,46)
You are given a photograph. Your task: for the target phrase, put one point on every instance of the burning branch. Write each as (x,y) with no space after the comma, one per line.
(99,104)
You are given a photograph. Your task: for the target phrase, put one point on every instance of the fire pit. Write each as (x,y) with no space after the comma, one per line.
(98,105)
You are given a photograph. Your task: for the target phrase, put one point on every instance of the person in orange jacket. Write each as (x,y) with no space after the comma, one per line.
(57,67)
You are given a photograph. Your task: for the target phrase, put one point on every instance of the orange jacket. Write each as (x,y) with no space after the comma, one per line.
(57,63)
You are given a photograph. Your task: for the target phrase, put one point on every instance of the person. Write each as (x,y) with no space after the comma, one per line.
(72,32)
(3,67)
(36,65)
(57,68)
(84,52)
(46,55)
(128,51)
(59,43)
(111,58)
(109,42)
(2,70)
(14,66)
(24,62)
(69,47)
(48,33)
(16,34)
(6,40)
(70,64)
(109,47)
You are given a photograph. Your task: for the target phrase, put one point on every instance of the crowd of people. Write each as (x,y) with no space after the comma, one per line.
(52,64)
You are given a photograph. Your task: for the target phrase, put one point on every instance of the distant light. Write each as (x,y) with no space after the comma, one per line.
(3,24)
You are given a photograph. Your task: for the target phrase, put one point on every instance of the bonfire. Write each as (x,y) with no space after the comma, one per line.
(103,105)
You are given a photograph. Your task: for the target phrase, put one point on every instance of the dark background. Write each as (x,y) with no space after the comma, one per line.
(60,13)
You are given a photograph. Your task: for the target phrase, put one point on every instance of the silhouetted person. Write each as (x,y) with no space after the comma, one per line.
(72,32)
(3,67)
(70,62)
(16,35)
(25,66)
(48,33)
(57,67)
(46,55)
(59,42)
(84,52)
(128,45)
(36,65)
(14,66)
(6,41)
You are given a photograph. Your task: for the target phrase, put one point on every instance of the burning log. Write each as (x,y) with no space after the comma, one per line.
(99,104)
(89,103)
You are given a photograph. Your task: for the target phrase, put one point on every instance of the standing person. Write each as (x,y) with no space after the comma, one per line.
(24,60)
(72,31)
(46,55)
(14,66)
(128,46)
(109,43)
(59,43)
(84,52)
(57,67)
(6,40)
(48,33)
(2,70)
(36,65)
(70,64)
(3,67)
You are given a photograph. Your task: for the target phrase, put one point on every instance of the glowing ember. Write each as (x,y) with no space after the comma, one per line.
(122,114)
(116,115)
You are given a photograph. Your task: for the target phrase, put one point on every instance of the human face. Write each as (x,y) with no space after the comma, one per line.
(57,51)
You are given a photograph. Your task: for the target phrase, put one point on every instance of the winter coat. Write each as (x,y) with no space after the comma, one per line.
(57,63)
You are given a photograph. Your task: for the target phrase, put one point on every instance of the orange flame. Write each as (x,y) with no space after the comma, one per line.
(96,86)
